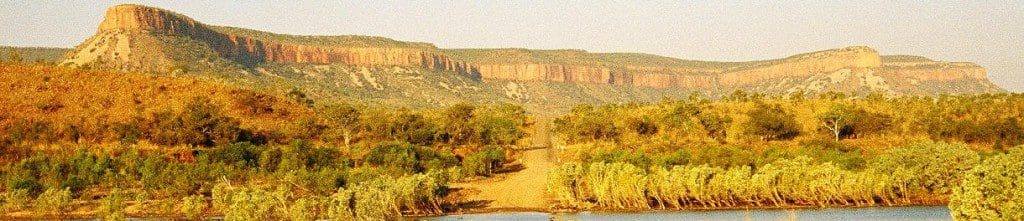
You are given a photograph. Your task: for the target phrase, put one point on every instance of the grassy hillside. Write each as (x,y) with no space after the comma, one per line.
(46,104)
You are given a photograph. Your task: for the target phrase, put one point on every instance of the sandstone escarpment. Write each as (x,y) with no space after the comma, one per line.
(133,37)
(646,77)
(804,65)
(936,71)
(250,50)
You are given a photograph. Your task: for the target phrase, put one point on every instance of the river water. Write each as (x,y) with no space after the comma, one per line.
(870,213)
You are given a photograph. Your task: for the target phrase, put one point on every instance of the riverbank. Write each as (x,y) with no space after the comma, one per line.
(862,213)
(686,209)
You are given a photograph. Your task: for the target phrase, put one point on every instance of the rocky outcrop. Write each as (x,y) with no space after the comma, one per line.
(249,50)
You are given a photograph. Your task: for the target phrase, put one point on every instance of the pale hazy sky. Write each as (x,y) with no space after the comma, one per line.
(990,33)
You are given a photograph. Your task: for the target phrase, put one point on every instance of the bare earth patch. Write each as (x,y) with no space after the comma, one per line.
(520,188)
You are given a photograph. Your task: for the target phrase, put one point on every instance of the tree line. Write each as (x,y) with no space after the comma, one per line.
(991,120)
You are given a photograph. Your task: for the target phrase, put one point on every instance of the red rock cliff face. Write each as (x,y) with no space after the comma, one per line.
(645,77)
(249,50)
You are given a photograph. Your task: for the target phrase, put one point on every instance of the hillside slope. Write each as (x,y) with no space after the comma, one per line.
(42,103)
(377,70)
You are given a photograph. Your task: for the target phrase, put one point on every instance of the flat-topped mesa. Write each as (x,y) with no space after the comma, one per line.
(252,49)
(804,65)
(142,18)
(659,72)
(141,38)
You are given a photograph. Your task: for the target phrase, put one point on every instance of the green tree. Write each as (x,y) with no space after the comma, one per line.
(456,122)
(994,190)
(771,122)
(342,117)
(499,124)
(204,124)
(715,125)
(485,161)
(837,119)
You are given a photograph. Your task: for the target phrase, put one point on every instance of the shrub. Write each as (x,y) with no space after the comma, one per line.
(53,202)
(565,183)
(244,154)
(587,123)
(930,167)
(221,194)
(678,157)
(200,123)
(340,206)
(14,200)
(250,204)
(992,190)
(32,187)
(724,156)
(485,161)
(193,206)
(637,158)
(395,155)
(715,125)
(75,184)
(303,209)
(113,205)
(408,158)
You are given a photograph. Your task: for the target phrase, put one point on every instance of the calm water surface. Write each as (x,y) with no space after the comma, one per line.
(871,213)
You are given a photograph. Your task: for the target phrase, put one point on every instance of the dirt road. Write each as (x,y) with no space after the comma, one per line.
(521,189)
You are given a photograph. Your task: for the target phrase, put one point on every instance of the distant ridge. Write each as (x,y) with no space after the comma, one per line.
(33,54)
(141,38)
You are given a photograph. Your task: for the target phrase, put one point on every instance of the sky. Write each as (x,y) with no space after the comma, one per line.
(990,33)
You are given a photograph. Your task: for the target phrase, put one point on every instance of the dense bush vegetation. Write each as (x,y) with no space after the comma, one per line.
(798,181)
(994,190)
(987,120)
(110,141)
(749,150)
(150,143)
(50,105)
